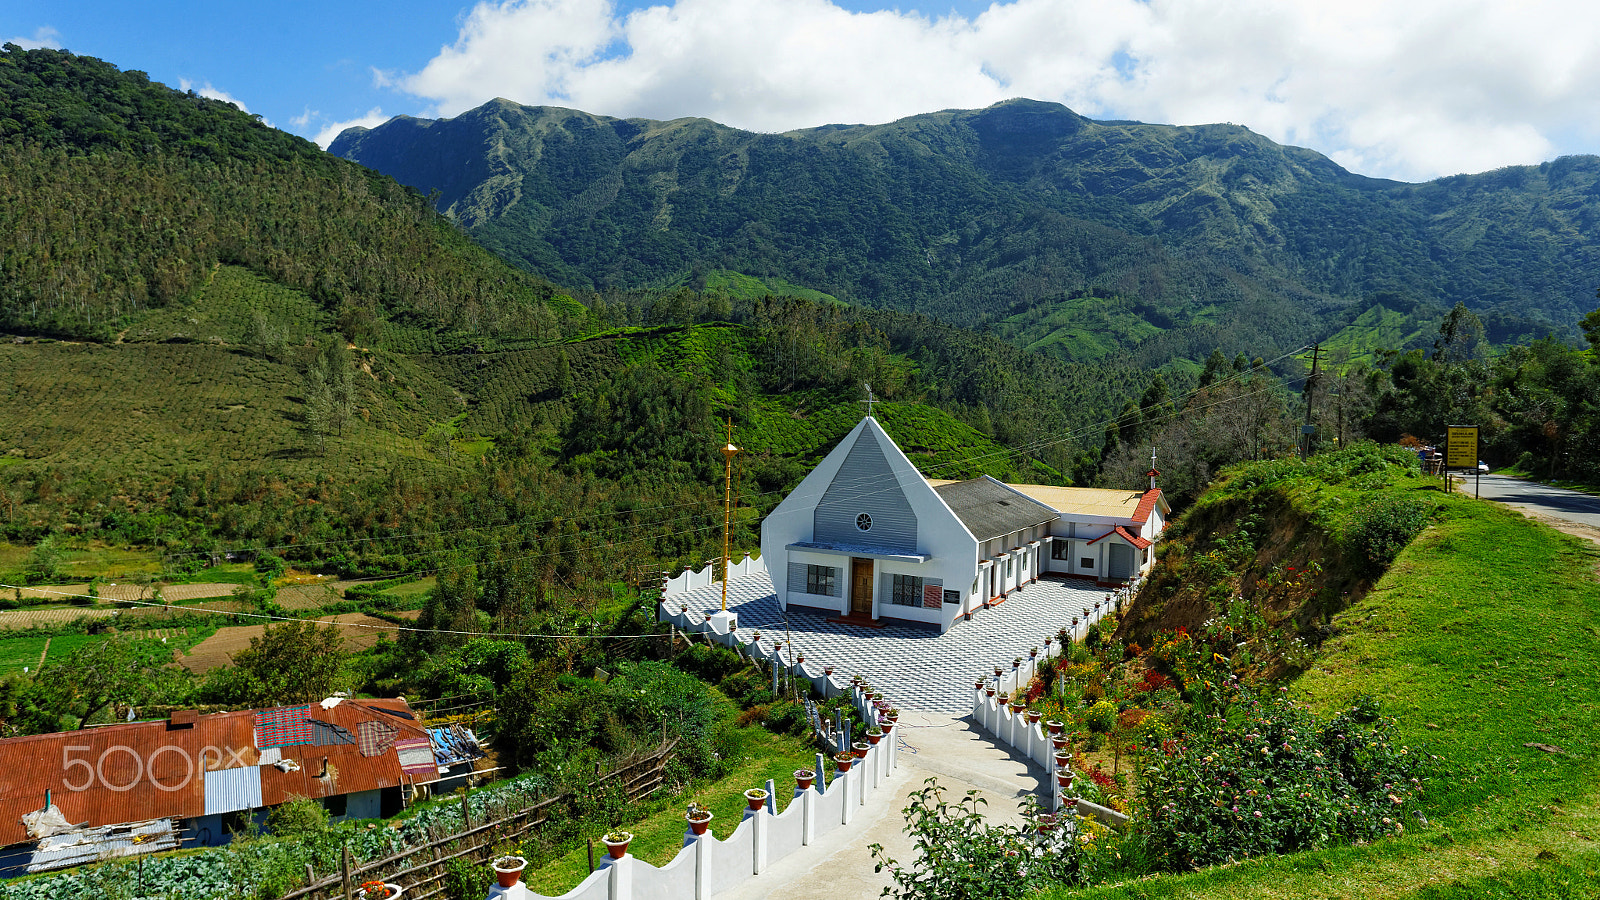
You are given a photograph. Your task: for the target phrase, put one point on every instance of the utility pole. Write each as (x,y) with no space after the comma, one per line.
(1308,429)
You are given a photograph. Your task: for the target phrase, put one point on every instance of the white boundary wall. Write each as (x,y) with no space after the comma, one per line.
(706,865)
(687,580)
(1033,740)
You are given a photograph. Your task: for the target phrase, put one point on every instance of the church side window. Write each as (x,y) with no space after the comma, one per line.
(907,591)
(822,580)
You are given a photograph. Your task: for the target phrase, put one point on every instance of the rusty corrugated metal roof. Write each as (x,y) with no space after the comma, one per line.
(147,770)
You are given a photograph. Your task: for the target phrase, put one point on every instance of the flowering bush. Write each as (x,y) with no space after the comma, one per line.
(1273,778)
(960,856)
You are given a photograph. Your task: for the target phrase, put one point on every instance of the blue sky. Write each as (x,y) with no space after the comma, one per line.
(1410,91)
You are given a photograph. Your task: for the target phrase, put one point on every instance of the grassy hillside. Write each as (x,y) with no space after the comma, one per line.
(1476,639)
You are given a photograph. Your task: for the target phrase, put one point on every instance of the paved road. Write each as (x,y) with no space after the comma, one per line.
(1540,499)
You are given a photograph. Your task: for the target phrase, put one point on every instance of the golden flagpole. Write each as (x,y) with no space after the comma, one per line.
(729,451)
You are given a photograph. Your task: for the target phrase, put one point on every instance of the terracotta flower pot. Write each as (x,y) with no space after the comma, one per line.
(873,739)
(1055,727)
(803,778)
(617,843)
(860,749)
(887,725)
(989,690)
(699,825)
(1046,823)
(1058,741)
(756,797)
(1034,716)
(843,761)
(508,870)
(1064,778)
(1063,759)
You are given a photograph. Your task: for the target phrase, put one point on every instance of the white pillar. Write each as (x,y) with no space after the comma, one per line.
(702,866)
(808,819)
(758,840)
(620,886)
(842,783)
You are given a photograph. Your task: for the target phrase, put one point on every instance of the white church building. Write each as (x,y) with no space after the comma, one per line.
(865,537)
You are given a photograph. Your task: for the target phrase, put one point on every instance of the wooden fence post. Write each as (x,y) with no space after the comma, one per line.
(344,865)
(466,813)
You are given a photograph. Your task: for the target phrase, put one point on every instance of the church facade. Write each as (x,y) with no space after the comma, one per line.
(866,538)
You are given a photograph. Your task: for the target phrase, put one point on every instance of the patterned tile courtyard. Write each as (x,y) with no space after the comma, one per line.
(916,668)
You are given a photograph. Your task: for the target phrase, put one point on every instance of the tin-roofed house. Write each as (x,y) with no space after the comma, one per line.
(213,773)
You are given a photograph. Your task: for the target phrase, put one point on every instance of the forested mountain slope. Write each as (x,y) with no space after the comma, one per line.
(1024,213)
(119,197)
(219,336)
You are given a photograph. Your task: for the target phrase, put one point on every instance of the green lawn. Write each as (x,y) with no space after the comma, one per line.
(1483,638)
(19,652)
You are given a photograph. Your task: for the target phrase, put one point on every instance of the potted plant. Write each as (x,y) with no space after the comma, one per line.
(842,761)
(1034,716)
(860,749)
(617,843)
(1064,778)
(893,714)
(887,725)
(699,818)
(997,671)
(1017,706)
(989,689)
(1033,653)
(874,735)
(1055,726)
(1016,663)
(378,890)
(508,869)
(803,778)
(977,684)
(827,671)
(1063,758)
(1045,823)
(756,797)
(1059,741)
(799,658)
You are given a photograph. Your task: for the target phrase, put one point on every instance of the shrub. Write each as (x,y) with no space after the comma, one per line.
(1101,717)
(1273,778)
(299,817)
(1380,529)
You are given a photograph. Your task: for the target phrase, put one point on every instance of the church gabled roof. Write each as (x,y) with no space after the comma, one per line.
(990,509)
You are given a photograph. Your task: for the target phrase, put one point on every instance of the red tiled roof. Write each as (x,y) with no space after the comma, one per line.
(1125,534)
(1141,513)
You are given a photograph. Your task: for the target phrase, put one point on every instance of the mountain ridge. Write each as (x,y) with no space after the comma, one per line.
(965,214)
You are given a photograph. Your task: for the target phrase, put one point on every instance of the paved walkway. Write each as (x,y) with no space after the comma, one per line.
(953,750)
(915,668)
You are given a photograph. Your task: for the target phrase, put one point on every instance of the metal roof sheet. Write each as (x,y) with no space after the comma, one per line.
(88,845)
(991,509)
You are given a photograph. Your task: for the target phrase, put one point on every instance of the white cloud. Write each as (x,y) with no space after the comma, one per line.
(328,132)
(206,90)
(1410,90)
(43,36)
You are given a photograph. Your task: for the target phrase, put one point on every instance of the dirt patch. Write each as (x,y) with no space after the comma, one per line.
(312,595)
(49,618)
(218,650)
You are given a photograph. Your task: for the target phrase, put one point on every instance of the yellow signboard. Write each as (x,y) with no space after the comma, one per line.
(1462,450)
